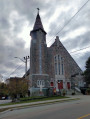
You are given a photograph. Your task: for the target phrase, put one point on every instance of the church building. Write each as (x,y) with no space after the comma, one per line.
(50,67)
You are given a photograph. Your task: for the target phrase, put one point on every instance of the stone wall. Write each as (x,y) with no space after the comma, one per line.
(70,66)
(38,53)
(36,77)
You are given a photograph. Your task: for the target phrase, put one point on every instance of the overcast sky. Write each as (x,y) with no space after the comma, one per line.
(17,18)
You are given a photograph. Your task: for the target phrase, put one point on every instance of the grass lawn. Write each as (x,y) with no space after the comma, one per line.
(34,99)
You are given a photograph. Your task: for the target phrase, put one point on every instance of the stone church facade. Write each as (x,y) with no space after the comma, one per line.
(50,67)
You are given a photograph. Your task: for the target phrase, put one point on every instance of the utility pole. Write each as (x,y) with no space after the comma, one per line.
(25,61)
(26,58)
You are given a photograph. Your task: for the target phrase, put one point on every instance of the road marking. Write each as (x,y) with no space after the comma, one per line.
(83,116)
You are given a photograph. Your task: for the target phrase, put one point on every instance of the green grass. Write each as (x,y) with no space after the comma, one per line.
(34,99)
(41,98)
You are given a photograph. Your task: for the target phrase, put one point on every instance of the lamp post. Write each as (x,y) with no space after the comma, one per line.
(25,61)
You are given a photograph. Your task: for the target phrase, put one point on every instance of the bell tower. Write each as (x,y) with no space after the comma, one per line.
(38,53)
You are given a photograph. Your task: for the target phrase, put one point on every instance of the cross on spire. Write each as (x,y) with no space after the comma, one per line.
(38,10)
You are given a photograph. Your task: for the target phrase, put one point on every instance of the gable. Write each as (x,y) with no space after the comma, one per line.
(71,67)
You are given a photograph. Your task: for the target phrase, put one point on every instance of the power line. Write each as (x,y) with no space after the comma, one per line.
(80,54)
(69,20)
(15,70)
(80,49)
(10,70)
(19,72)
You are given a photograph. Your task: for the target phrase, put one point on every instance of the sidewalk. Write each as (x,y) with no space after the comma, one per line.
(40,102)
(5,101)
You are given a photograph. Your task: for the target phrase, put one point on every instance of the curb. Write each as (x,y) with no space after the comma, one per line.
(36,105)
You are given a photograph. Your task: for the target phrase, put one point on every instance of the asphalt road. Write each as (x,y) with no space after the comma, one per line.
(68,110)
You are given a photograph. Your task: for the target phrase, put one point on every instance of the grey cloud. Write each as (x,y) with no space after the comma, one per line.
(78,42)
(4,23)
(11,45)
(18,25)
(7,54)
(81,19)
(81,59)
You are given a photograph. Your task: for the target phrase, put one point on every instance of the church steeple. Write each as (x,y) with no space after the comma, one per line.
(38,23)
(38,49)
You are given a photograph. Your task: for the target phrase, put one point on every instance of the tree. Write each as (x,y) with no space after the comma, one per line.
(3,90)
(17,87)
(87,72)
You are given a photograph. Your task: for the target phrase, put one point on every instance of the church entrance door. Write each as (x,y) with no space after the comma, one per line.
(68,85)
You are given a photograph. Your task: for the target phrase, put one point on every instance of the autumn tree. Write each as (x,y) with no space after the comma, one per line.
(18,87)
(3,90)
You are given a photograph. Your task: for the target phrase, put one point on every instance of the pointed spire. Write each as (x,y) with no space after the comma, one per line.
(38,23)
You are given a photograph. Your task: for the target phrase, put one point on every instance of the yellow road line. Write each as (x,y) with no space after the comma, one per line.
(83,116)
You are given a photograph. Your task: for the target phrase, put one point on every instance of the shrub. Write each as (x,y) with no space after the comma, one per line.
(64,92)
(88,91)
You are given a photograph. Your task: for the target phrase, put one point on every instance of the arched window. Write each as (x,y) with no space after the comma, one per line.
(56,68)
(55,59)
(40,82)
(62,65)
(59,66)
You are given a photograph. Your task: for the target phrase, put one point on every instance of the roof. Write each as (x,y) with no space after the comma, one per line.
(57,43)
(38,24)
(27,73)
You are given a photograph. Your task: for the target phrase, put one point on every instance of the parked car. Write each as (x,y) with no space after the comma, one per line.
(3,98)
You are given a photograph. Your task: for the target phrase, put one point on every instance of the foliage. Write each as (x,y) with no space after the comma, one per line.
(3,89)
(87,71)
(63,92)
(18,87)
(88,91)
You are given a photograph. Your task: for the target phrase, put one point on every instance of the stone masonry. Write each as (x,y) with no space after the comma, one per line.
(50,66)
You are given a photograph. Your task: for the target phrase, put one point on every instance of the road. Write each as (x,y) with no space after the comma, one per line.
(68,110)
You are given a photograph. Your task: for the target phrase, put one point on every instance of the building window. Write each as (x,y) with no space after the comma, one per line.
(56,68)
(62,69)
(59,67)
(61,58)
(58,57)
(62,66)
(40,82)
(55,59)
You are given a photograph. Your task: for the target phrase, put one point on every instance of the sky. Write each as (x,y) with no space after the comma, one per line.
(17,19)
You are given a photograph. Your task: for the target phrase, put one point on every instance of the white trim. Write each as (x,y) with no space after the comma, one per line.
(40,83)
